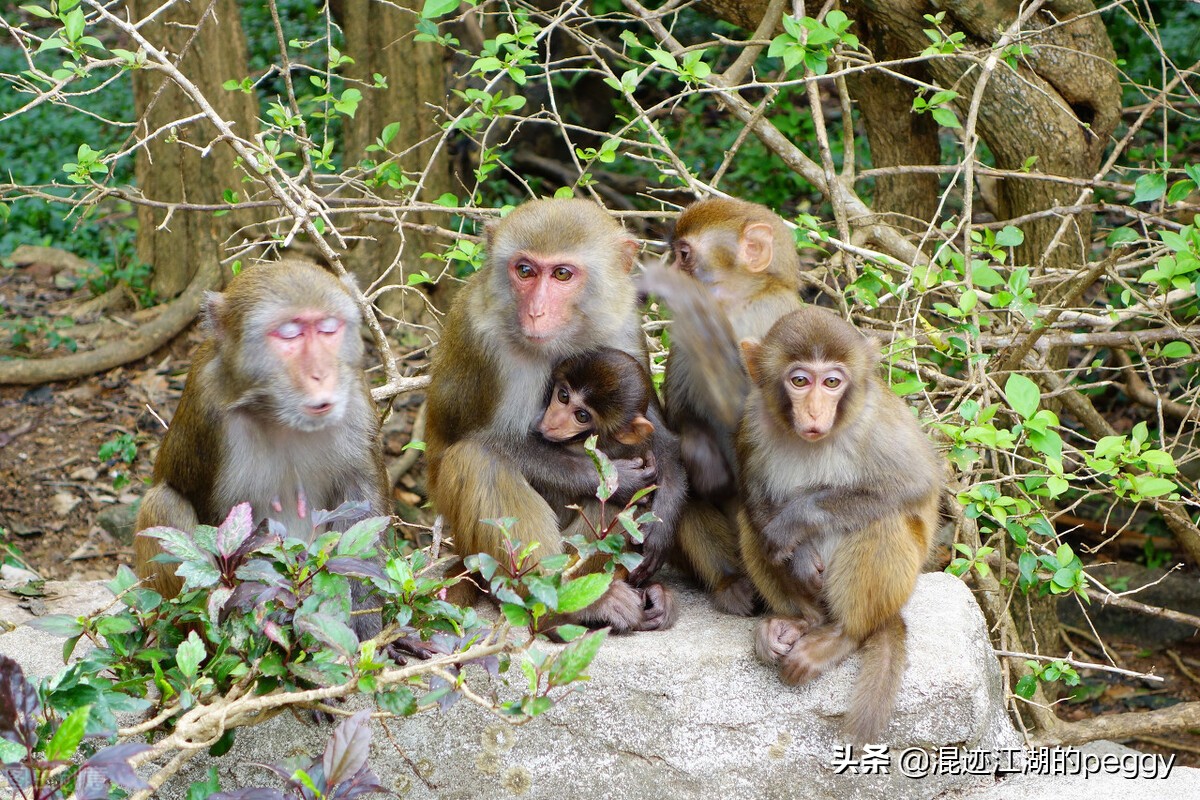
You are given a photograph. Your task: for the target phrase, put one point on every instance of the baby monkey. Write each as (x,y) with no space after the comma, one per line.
(606,393)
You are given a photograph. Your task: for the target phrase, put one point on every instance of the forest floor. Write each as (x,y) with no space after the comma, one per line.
(56,491)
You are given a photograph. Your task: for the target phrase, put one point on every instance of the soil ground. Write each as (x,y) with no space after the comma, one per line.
(55,489)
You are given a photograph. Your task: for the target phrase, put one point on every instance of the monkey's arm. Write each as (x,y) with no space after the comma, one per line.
(709,377)
(552,469)
(840,510)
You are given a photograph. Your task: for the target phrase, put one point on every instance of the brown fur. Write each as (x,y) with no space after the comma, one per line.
(228,422)
(736,272)
(864,499)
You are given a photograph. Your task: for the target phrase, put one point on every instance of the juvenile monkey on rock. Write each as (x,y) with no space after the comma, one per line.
(840,492)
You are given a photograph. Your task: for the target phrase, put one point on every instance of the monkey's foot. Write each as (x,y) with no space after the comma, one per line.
(401,649)
(775,638)
(735,597)
(621,609)
(660,610)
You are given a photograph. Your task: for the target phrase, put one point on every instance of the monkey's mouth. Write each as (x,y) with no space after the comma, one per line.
(319,410)
(812,434)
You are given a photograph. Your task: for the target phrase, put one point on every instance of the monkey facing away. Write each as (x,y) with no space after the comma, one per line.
(840,492)
(556,283)
(734,273)
(276,412)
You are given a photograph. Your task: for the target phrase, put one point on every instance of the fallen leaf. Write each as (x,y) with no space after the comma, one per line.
(64,503)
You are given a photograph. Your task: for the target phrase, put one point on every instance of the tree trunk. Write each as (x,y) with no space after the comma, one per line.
(1060,104)
(379,37)
(898,137)
(207,39)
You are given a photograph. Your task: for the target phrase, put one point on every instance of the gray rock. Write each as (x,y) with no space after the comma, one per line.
(119,520)
(688,713)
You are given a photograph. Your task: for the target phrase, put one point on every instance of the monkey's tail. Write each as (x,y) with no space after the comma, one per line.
(883,658)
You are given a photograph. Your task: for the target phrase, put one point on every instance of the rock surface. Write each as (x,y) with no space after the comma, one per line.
(688,713)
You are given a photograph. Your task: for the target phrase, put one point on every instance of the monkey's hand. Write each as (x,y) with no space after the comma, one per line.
(633,475)
(654,553)
(780,540)
(808,568)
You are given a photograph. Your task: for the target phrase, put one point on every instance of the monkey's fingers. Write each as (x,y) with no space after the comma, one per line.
(652,561)
(400,649)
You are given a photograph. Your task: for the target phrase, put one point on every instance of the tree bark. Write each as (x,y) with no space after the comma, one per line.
(379,37)
(206,36)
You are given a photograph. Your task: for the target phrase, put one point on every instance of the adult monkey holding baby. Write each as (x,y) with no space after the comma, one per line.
(556,283)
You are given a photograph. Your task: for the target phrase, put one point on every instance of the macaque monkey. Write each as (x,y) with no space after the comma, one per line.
(556,284)
(276,412)
(840,491)
(734,273)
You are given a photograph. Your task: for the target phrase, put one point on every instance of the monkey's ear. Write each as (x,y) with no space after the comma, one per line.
(629,254)
(211,312)
(489,234)
(638,431)
(756,246)
(750,351)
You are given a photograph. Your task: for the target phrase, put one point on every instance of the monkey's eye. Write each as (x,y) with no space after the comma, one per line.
(800,381)
(329,325)
(524,271)
(582,417)
(562,274)
(563,396)
(832,382)
(289,330)
(684,251)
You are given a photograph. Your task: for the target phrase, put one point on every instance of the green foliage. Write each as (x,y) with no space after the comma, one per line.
(1052,672)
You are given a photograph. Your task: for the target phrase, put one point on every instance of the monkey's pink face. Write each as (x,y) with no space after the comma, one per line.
(566,417)
(548,292)
(309,347)
(815,390)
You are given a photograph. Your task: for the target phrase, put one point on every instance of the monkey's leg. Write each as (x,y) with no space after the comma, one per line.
(709,546)
(475,483)
(161,505)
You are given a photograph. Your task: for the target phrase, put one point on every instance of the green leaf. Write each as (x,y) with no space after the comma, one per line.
(68,736)
(574,659)
(945,117)
(10,752)
(1175,350)
(1180,190)
(1009,236)
(1121,236)
(189,655)
(37,11)
(985,277)
(1150,186)
(58,625)
(516,615)
(569,633)
(1026,687)
(581,592)
(1022,395)
(438,8)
